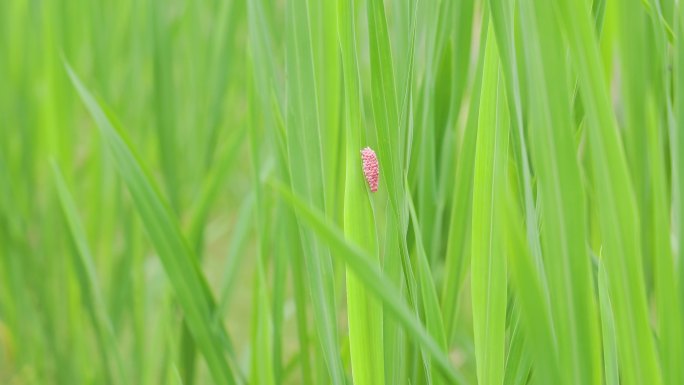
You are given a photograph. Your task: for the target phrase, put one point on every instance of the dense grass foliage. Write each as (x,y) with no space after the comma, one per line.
(183,200)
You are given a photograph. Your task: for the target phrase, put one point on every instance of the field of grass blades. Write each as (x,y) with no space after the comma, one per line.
(368,192)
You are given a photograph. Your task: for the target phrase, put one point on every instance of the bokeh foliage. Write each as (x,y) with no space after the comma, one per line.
(182,199)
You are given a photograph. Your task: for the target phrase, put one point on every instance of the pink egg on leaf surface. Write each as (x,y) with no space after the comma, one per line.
(370,168)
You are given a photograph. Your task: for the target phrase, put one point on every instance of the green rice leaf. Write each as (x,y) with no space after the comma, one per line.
(566,262)
(615,201)
(89,284)
(610,355)
(373,279)
(364,313)
(488,262)
(177,257)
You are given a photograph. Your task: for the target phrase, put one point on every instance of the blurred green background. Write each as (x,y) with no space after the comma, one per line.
(149,151)
(175,73)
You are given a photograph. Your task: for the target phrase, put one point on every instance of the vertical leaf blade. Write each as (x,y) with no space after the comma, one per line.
(176,256)
(488,264)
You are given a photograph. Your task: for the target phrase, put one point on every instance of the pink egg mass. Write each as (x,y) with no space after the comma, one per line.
(370,168)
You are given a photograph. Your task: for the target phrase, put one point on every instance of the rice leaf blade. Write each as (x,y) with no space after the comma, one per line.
(488,263)
(177,257)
